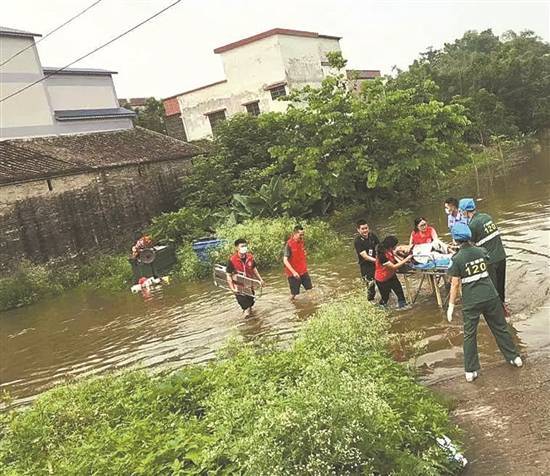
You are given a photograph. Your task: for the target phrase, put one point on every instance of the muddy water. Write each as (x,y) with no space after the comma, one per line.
(85,332)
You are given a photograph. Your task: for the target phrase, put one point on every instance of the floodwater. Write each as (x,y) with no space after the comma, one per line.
(90,332)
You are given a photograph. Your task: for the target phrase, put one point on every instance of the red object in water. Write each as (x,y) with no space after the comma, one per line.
(142,280)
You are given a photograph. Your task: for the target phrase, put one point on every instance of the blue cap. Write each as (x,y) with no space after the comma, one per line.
(461,232)
(467,204)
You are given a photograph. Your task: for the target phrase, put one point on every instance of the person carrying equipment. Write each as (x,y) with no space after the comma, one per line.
(469,269)
(365,246)
(485,233)
(242,263)
(386,266)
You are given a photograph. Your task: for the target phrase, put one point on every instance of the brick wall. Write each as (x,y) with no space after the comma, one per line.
(82,213)
(174,127)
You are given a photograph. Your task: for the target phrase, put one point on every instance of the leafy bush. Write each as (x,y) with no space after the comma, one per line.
(333,403)
(30,283)
(184,224)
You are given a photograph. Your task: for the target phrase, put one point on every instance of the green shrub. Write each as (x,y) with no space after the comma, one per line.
(266,237)
(106,272)
(29,283)
(334,402)
(185,224)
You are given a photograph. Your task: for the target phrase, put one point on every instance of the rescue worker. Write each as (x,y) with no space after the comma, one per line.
(365,247)
(485,233)
(295,263)
(453,213)
(242,263)
(386,266)
(469,269)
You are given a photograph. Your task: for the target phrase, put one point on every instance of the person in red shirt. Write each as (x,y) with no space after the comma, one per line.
(242,262)
(422,233)
(386,266)
(295,262)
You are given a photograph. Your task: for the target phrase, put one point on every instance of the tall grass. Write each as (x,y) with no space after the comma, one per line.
(333,403)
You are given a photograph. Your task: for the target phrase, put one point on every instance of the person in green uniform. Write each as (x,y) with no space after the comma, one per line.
(469,268)
(486,233)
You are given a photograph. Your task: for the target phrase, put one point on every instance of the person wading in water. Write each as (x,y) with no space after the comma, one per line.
(295,263)
(242,263)
(469,269)
(365,246)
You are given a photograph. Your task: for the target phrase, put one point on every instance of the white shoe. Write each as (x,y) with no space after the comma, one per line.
(471,376)
(517,362)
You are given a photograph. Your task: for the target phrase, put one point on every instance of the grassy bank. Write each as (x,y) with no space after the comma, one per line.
(33,282)
(333,403)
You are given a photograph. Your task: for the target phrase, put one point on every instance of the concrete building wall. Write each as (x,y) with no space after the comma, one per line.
(303,58)
(295,61)
(31,107)
(71,91)
(85,213)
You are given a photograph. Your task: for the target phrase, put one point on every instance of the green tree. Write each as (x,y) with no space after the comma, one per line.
(151,116)
(504,83)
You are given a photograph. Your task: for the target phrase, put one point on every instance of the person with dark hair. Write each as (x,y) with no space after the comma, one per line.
(422,233)
(295,262)
(453,213)
(242,263)
(365,246)
(469,269)
(486,233)
(386,266)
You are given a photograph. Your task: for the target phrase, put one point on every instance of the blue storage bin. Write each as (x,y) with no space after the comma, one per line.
(201,247)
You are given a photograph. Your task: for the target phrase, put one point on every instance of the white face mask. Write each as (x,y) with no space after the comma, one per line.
(243,250)
(447,210)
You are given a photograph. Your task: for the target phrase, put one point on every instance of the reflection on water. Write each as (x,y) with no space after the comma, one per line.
(84,332)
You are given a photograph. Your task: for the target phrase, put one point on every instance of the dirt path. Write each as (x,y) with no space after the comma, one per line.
(505,416)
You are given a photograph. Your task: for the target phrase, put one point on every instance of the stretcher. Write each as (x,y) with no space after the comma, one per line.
(245,285)
(432,270)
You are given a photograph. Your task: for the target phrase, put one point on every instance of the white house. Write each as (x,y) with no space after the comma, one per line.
(74,100)
(258,70)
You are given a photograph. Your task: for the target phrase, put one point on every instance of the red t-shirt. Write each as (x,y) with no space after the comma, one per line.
(296,254)
(421,237)
(383,273)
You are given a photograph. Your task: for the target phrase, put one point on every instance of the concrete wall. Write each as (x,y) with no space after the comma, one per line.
(72,91)
(95,211)
(31,113)
(31,107)
(303,58)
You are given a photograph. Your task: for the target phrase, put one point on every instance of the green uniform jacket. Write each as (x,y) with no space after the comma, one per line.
(470,265)
(485,233)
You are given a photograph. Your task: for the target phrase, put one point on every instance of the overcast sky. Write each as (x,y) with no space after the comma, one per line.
(173,52)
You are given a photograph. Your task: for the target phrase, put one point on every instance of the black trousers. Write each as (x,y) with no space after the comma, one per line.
(367,274)
(392,284)
(497,272)
(244,301)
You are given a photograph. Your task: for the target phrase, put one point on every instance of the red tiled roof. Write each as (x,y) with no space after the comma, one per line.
(268,33)
(44,157)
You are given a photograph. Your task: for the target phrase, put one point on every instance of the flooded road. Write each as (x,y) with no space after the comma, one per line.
(89,332)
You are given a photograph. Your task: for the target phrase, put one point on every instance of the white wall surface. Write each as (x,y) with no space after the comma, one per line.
(30,107)
(71,91)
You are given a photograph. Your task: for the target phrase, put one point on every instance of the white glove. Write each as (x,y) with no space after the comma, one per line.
(450,311)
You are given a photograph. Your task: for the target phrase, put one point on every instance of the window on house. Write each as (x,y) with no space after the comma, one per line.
(253,108)
(278,91)
(215,118)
